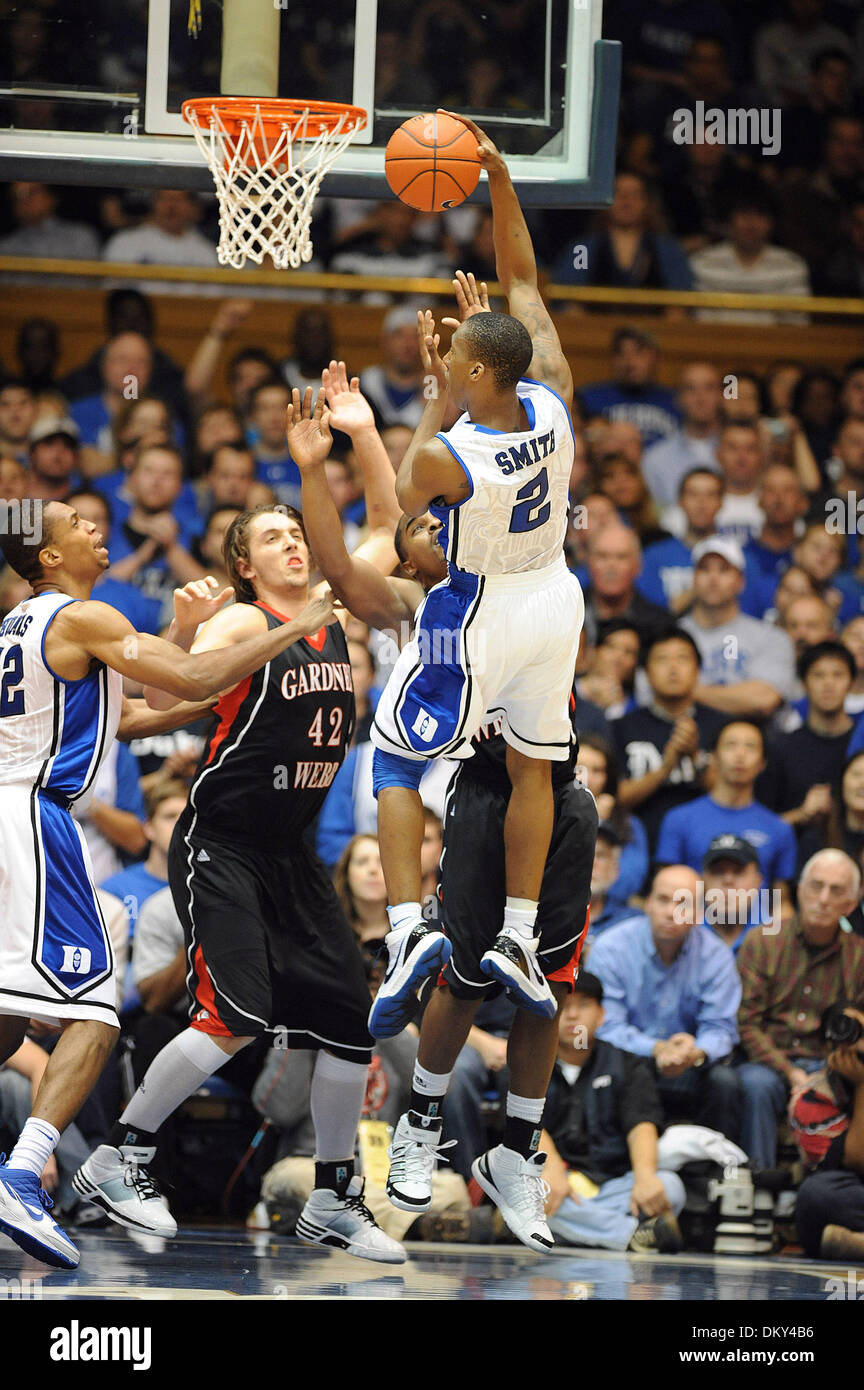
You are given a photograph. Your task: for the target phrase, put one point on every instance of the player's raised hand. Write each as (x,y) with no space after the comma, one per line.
(433,366)
(349,409)
(307,429)
(487,151)
(199,600)
(319,612)
(471,298)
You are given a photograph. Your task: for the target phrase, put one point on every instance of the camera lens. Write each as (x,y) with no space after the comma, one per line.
(843,1031)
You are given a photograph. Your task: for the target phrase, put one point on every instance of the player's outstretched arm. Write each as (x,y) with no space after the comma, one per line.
(428,469)
(351,413)
(516,267)
(138,720)
(89,631)
(362,588)
(194,605)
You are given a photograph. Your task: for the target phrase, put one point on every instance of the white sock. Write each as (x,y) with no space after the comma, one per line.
(338,1092)
(520,914)
(431,1083)
(183,1065)
(525,1107)
(433,1086)
(403,914)
(35,1146)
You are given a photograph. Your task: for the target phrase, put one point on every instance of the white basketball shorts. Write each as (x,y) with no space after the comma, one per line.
(56,961)
(486,645)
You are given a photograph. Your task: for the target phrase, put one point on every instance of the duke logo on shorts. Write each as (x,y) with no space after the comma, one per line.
(56,960)
(500,635)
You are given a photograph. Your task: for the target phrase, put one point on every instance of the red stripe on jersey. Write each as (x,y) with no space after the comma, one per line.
(205,998)
(226,708)
(317,641)
(572,702)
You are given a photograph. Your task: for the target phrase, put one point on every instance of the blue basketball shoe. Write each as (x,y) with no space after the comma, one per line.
(24,1208)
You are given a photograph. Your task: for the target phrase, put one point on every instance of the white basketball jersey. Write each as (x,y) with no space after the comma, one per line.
(54,734)
(516,515)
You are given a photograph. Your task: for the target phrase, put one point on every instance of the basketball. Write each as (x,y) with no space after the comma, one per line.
(431,162)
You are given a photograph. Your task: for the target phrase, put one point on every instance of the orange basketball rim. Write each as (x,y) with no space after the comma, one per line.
(268,157)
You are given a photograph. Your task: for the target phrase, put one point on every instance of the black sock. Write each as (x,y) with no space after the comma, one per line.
(128,1136)
(335,1175)
(521,1135)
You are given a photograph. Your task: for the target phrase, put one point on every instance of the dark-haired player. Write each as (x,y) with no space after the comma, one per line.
(62,659)
(499,635)
(472,863)
(268,946)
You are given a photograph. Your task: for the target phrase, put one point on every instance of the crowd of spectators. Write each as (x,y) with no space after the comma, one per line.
(718,699)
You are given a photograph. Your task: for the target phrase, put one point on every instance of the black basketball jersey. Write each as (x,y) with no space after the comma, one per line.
(278,741)
(489,763)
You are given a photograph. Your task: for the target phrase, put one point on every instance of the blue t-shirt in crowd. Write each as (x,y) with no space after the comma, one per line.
(283,476)
(633,865)
(652,409)
(133,886)
(185,509)
(687,831)
(143,613)
(768,564)
(667,571)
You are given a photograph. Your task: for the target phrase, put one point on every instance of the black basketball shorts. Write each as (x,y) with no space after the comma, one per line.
(268,945)
(473,892)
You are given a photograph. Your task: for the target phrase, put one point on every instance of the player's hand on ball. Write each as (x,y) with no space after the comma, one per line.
(199,600)
(307,428)
(471,298)
(433,366)
(487,151)
(319,612)
(349,409)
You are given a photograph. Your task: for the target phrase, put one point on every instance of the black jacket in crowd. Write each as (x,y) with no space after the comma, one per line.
(590,1119)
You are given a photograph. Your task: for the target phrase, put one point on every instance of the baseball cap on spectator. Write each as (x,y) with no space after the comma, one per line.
(732,847)
(50,425)
(590,985)
(725,546)
(402,316)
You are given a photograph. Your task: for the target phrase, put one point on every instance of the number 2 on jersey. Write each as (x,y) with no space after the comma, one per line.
(532,509)
(11,700)
(316,730)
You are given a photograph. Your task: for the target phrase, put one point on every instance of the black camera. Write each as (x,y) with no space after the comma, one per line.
(839,1029)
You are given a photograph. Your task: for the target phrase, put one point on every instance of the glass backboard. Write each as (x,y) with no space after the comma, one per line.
(92,94)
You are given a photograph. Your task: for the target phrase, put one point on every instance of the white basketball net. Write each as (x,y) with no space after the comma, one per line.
(266,185)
